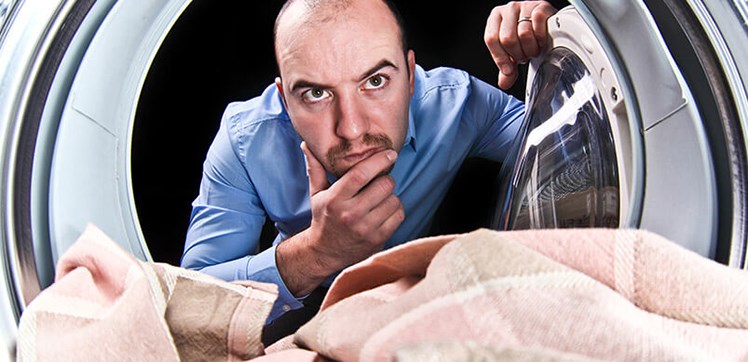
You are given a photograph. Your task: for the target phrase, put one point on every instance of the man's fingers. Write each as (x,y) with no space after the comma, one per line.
(514,33)
(394,220)
(506,81)
(527,40)
(373,194)
(491,37)
(508,35)
(316,172)
(540,15)
(533,34)
(363,172)
(501,39)
(370,225)
(386,209)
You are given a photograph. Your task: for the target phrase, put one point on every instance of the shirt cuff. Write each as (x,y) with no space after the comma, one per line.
(262,268)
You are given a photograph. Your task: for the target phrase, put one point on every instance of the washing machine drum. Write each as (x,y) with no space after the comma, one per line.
(623,131)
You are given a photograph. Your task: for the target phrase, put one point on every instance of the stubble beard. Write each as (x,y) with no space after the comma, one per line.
(337,152)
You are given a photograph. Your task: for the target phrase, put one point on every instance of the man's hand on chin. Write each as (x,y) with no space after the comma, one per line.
(351,220)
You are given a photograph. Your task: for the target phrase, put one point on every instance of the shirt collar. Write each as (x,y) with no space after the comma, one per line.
(410,135)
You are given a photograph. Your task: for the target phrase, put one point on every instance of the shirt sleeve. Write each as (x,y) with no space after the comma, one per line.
(226,223)
(497,117)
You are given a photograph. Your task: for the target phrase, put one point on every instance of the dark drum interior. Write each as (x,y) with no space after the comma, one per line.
(222,51)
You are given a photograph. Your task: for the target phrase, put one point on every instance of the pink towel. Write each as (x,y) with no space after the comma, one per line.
(105,305)
(571,294)
(534,295)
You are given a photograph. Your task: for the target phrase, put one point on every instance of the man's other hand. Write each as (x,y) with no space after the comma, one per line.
(516,32)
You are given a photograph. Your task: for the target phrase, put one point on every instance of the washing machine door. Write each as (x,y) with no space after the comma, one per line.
(71,72)
(567,173)
(636,117)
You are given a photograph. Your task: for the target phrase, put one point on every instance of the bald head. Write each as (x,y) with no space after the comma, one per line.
(304,15)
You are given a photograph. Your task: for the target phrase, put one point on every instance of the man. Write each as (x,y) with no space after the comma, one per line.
(353,148)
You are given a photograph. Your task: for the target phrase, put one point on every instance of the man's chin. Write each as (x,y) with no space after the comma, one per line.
(338,174)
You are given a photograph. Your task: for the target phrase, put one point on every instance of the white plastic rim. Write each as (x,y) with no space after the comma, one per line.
(71,73)
(86,125)
(678,184)
(728,35)
(91,164)
(21,57)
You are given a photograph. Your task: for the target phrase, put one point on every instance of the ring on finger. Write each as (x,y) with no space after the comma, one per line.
(523,19)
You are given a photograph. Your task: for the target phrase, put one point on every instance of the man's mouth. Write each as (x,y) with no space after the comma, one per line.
(343,156)
(354,158)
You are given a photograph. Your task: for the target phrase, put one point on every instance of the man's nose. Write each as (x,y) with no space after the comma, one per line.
(352,120)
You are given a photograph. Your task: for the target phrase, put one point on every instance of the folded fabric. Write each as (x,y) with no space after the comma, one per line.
(544,295)
(470,351)
(107,305)
(559,294)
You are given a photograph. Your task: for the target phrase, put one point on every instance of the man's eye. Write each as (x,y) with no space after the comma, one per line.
(375,82)
(315,95)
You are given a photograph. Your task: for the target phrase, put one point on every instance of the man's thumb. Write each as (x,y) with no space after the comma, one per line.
(316,172)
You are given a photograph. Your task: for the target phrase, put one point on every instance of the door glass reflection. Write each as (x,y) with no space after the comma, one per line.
(565,174)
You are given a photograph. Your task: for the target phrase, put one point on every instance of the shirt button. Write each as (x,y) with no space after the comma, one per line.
(286,307)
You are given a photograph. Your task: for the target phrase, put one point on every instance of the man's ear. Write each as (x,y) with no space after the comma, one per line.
(279,86)
(412,68)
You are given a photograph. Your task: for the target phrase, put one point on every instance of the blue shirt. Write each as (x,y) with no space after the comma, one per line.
(255,168)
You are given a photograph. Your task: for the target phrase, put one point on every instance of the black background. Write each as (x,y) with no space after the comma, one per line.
(222,51)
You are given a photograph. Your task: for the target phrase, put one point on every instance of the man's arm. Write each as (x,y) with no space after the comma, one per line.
(516,32)
(351,220)
(227,219)
(227,216)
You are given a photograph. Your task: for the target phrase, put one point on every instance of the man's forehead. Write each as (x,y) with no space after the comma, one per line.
(342,47)
(320,10)
(302,14)
(302,17)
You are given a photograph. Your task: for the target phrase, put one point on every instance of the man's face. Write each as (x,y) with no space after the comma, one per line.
(346,82)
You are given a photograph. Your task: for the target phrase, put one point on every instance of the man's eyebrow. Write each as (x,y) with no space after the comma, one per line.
(307,84)
(382,64)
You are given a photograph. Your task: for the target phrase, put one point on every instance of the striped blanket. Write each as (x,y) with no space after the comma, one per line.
(486,295)
(536,295)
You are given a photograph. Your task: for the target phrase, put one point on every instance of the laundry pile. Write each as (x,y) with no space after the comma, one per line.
(105,305)
(537,295)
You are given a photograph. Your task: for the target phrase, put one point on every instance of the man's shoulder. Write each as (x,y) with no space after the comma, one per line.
(259,123)
(266,107)
(439,78)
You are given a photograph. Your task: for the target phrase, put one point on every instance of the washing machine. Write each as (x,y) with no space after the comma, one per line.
(637,118)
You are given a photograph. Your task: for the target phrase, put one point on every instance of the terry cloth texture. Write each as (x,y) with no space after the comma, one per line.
(543,294)
(105,305)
